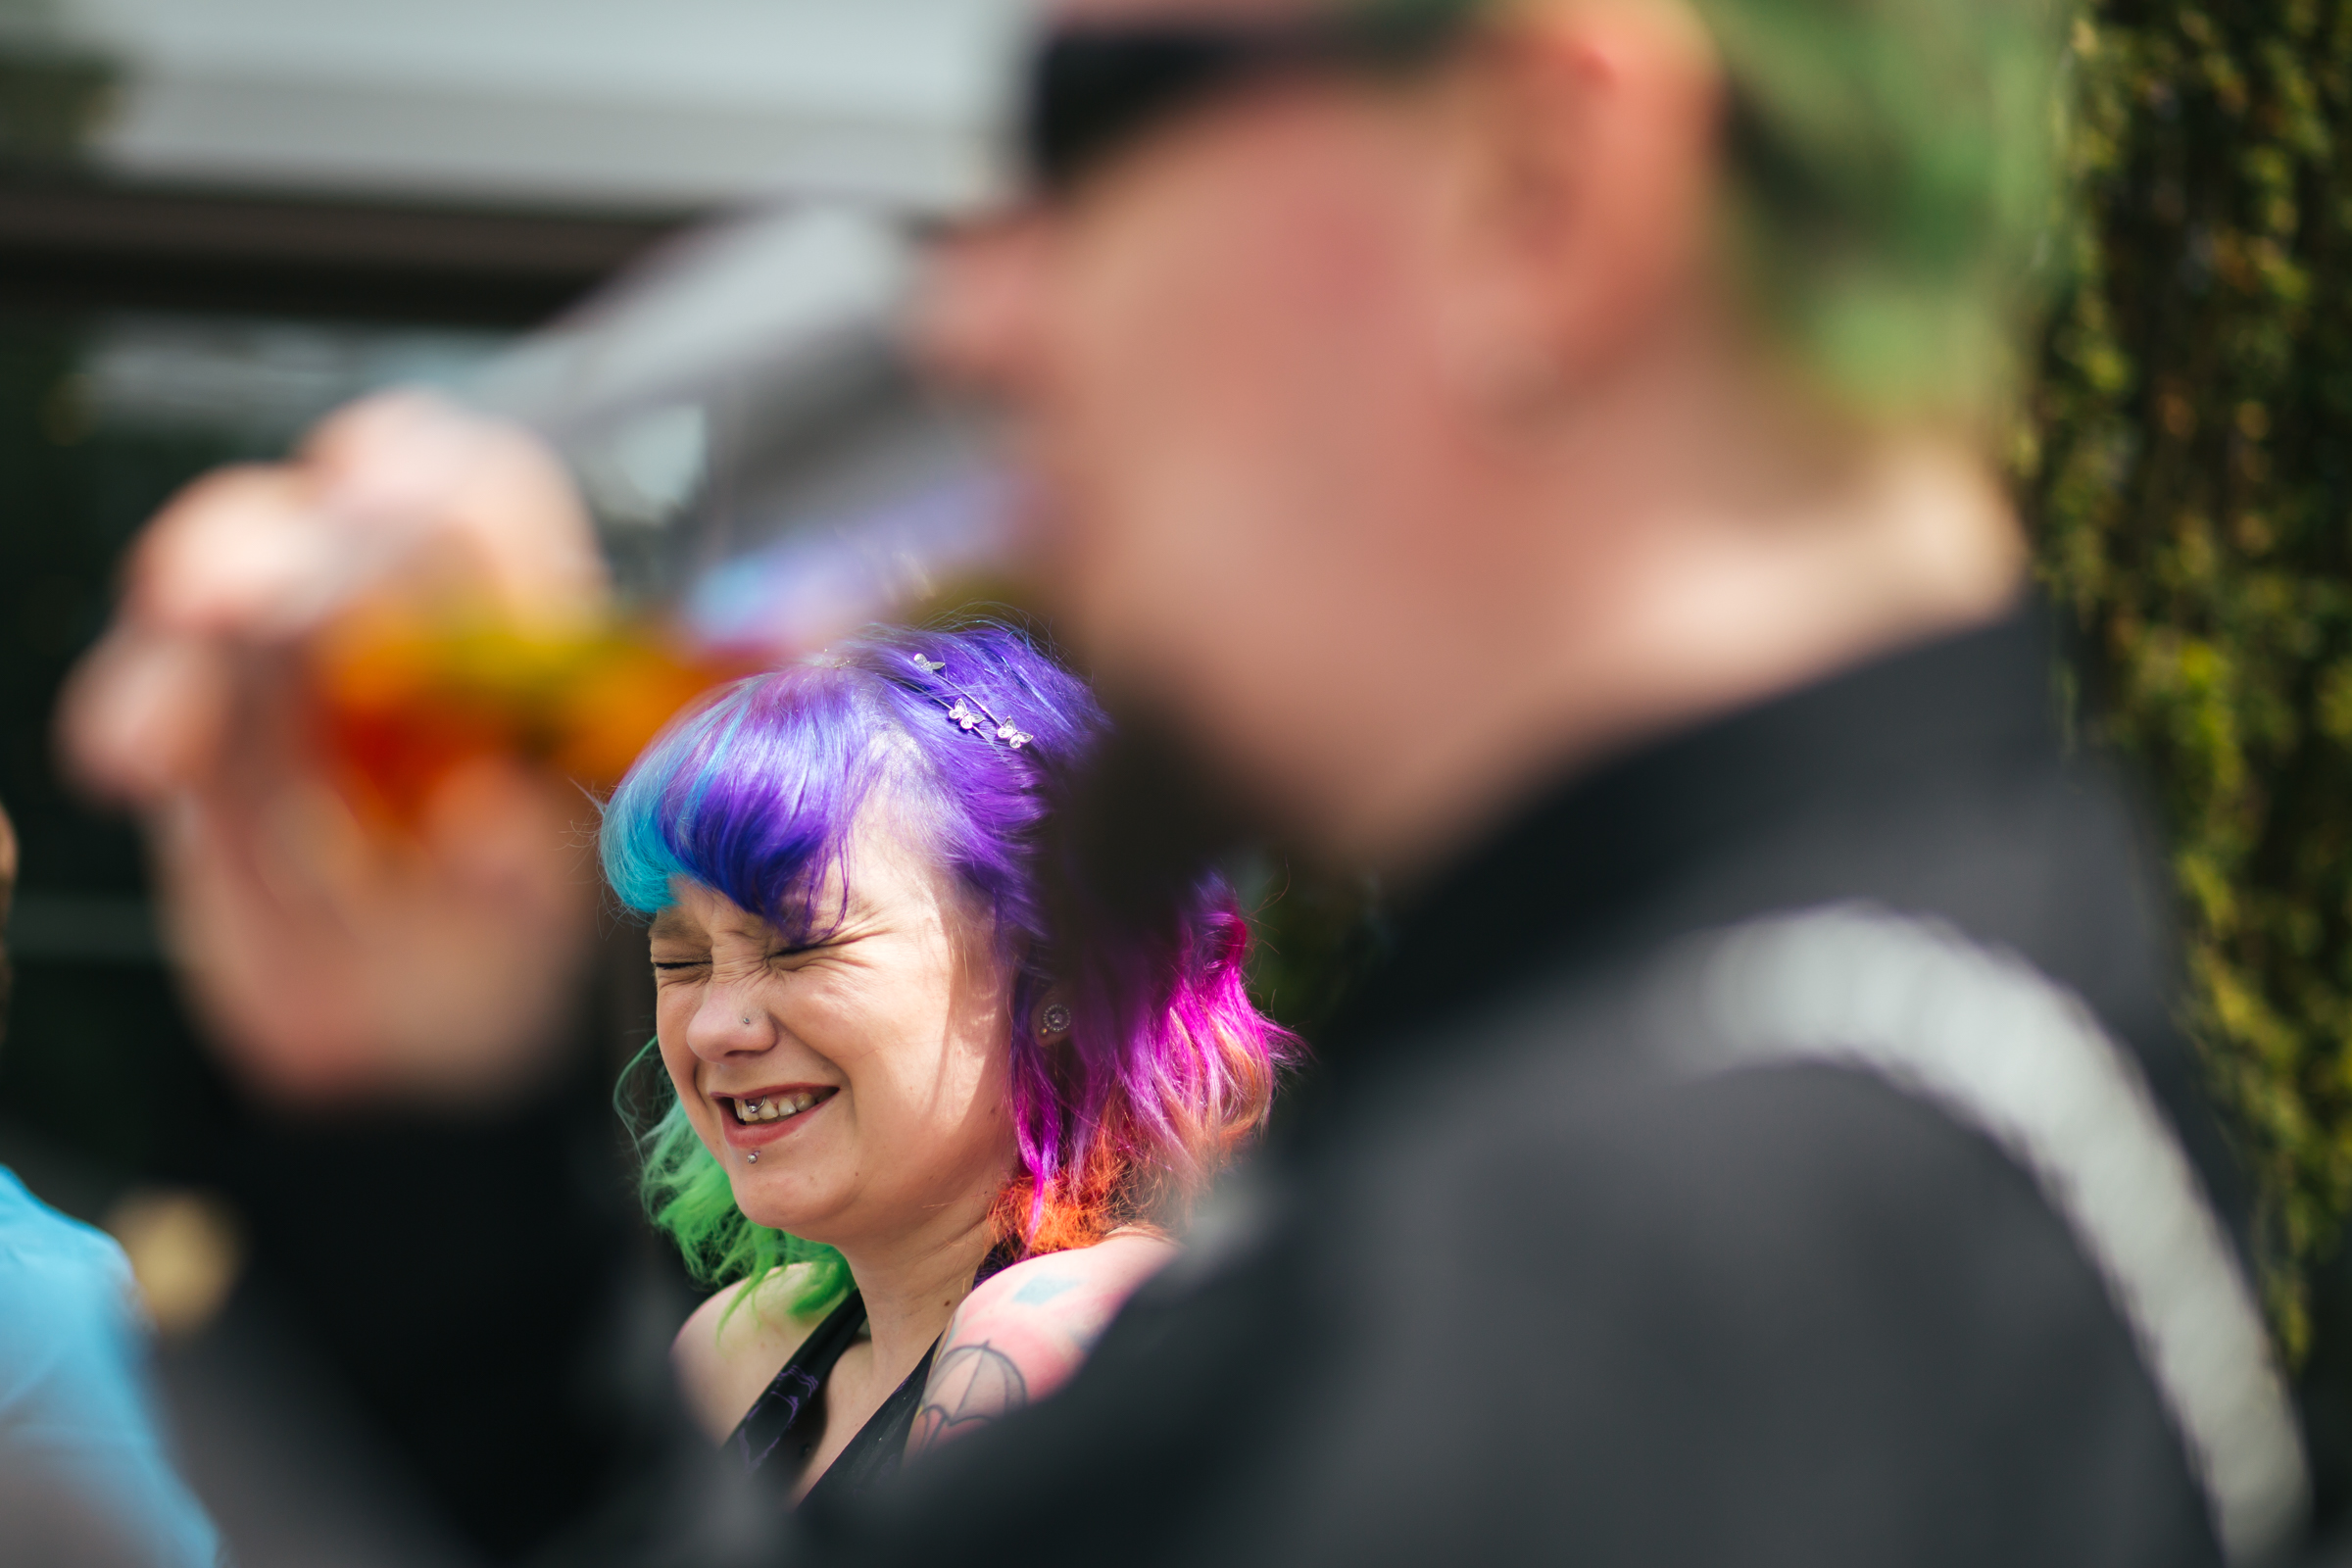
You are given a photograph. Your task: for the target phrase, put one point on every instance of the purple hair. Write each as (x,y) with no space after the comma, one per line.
(1168,1066)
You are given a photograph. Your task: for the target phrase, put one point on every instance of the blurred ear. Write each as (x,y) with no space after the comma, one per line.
(8,889)
(1585,186)
(7,867)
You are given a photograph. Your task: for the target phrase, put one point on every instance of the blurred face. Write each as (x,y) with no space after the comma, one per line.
(1222,358)
(867,1072)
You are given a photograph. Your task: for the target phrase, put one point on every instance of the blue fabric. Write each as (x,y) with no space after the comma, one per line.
(74,1399)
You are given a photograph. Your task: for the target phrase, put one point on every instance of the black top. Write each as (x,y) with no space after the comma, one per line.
(1482,1304)
(786,1423)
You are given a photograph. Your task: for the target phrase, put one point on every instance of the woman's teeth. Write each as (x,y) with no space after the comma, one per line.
(774,1108)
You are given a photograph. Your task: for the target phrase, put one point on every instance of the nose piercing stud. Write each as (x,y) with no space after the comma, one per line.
(747,1020)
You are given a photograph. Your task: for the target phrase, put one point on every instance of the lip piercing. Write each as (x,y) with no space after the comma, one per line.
(753,1156)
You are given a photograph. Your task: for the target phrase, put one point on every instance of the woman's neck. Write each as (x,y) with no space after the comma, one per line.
(912,1286)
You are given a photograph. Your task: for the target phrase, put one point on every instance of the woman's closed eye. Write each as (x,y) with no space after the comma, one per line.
(680,966)
(686,966)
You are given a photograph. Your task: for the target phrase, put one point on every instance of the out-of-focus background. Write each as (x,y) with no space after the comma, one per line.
(2186,462)
(220,217)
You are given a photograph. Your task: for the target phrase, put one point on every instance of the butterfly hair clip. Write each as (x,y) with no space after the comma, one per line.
(971,716)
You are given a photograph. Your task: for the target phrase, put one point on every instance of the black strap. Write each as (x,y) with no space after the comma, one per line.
(787,1422)
(788,1415)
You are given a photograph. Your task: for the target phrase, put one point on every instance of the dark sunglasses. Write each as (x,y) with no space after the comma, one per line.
(1097,88)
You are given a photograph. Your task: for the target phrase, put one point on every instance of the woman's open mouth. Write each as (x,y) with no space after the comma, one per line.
(765,1113)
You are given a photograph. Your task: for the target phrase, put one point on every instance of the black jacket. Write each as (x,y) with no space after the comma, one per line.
(1517,1288)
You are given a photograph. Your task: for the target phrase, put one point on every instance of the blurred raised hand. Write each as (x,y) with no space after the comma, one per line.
(335,953)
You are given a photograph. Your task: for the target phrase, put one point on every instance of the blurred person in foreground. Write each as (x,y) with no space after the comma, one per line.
(85,1473)
(1540,451)
(927,1162)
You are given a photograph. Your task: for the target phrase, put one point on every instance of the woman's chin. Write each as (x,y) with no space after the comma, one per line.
(760,1207)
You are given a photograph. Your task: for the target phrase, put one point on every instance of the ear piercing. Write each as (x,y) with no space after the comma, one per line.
(1054,1020)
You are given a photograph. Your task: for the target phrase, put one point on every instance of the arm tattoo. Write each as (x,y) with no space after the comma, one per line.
(1038,1292)
(971,1386)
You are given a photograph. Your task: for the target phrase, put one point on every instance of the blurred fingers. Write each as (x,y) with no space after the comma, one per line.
(332,963)
(144,713)
(482,511)
(239,554)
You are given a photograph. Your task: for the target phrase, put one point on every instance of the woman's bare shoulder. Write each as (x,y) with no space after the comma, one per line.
(1027,1329)
(1070,1289)
(726,1358)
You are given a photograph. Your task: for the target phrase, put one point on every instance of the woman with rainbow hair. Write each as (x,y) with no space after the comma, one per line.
(925,1145)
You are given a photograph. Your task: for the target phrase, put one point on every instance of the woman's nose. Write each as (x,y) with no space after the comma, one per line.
(728,1024)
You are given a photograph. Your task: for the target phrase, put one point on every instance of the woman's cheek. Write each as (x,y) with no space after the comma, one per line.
(673,1010)
(676,1060)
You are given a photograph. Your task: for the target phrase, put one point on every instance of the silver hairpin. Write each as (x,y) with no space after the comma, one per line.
(969,714)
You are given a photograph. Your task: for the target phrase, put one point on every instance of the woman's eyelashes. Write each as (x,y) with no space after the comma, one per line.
(679,968)
(687,969)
